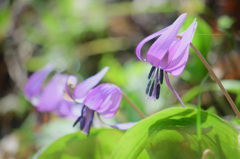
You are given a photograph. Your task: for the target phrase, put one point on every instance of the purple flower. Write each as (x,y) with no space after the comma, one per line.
(48,98)
(103,100)
(167,54)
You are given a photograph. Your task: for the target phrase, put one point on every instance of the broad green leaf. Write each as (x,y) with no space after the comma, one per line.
(172,133)
(99,144)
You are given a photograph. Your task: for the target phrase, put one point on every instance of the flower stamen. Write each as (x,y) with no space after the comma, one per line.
(148,85)
(78,119)
(151,71)
(82,123)
(158,91)
(155,77)
(161,76)
(152,88)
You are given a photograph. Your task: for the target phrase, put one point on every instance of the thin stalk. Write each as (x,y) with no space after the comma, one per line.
(232,104)
(133,106)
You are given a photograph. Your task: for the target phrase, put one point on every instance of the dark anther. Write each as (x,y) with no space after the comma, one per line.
(148,85)
(161,76)
(151,71)
(78,119)
(151,89)
(90,124)
(82,123)
(158,91)
(83,110)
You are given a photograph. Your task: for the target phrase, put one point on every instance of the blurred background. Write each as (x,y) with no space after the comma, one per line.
(83,36)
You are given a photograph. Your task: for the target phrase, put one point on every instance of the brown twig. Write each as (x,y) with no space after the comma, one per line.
(133,106)
(232,104)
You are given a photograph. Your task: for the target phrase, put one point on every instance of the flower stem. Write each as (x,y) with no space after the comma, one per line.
(232,104)
(198,121)
(133,106)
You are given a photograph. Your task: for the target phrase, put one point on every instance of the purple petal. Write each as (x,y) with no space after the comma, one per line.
(178,64)
(181,52)
(160,47)
(35,82)
(170,86)
(111,105)
(104,99)
(83,88)
(65,108)
(169,56)
(148,38)
(122,126)
(52,94)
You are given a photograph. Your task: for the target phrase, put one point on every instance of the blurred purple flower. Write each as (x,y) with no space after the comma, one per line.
(104,100)
(168,53)
(48,98)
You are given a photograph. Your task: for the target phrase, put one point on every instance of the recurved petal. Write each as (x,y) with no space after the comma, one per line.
(104,99)
(83,88)
(122,126)
(181,52)
(170,86)
(160,47)
(52,94)
(35,82)
(145,40)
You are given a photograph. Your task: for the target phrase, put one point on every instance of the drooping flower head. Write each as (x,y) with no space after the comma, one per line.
(48,97)
(168,54)
(103,100)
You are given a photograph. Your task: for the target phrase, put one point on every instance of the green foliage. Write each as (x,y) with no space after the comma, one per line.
(225,22)
(172,133)
(231,86)
(5,20)
(99,144)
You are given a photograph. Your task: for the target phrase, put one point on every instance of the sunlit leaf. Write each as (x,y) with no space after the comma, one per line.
(172,133)
(99,144)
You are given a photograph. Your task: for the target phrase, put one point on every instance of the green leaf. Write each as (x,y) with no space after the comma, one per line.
(99,144)
(172,133)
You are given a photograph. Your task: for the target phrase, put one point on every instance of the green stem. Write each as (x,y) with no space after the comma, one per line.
(133,106)
(199,131)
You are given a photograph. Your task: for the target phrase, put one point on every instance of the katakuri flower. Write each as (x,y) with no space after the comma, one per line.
(49,97)
(103,100)
(168,54)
